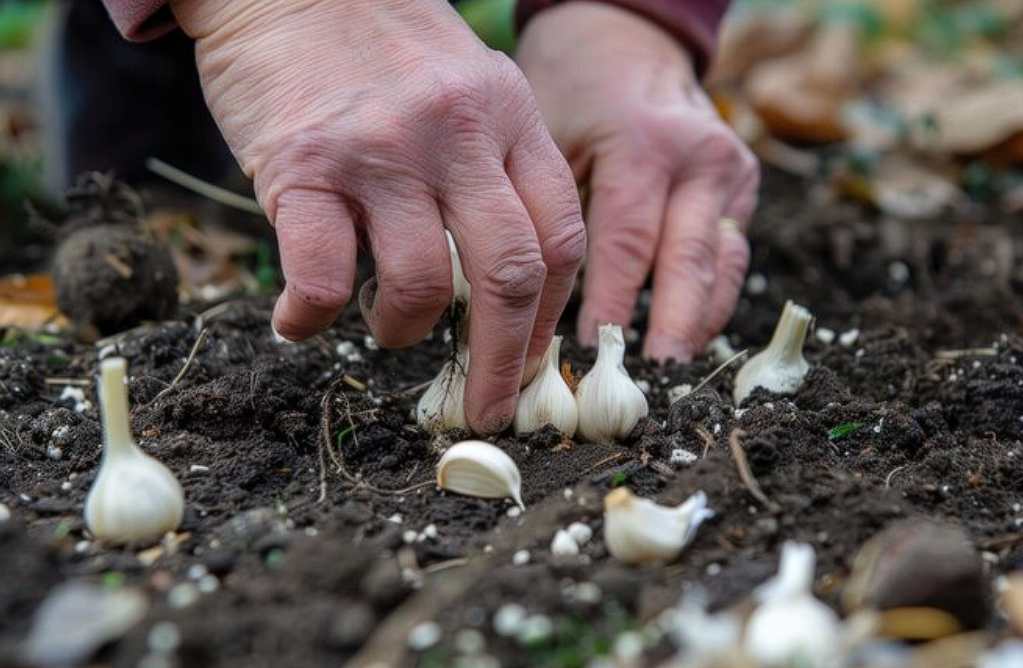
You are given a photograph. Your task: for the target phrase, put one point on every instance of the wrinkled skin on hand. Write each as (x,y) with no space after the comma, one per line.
(387,122)
(621,100)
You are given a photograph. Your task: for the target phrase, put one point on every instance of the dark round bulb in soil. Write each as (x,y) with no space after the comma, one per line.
(112,277)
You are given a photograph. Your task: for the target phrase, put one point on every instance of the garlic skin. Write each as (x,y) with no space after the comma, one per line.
(781,366)
(548,399)
(790,626)
(477,468)
(135,499)
(460,285)
(637,530)
(610,404)
(442,406)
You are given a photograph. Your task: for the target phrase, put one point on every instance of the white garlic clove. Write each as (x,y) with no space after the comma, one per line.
(477,468)
(135,499)
(563,545)
(637,530)
(781,366)
(581,532)
(460,285)
(610,404)
(442,406)
(548,399)
(790,626)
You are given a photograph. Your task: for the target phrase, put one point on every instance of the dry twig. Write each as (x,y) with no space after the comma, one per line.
(181,374)
(745,473)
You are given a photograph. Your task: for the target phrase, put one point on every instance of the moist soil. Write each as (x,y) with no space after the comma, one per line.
(297,564)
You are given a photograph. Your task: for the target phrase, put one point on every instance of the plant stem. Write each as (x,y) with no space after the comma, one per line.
(113,403)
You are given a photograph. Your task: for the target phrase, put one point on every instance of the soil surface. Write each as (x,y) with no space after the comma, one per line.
(282,561)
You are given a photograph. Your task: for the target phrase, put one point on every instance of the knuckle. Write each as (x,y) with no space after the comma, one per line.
(517,281)
(723,147)
(565,250)
(695,259)
(323,297)
(735,258)
(414,295)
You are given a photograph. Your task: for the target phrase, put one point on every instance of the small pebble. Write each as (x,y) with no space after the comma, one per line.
(198,468)
(520,558)
(470,641)
(197,571)
(580,532)
(628,646)
(847,339)
(563,545)
(183,595)
(825,335)
(680,456)
(535,629)
(587,592)
(678,392)
(409,536)
(369,342)
(430,531)
(508,619)
(514,511)
(5,512)
(164,637)
(756,284)
(53,452)
(76,395)
(209,584)
(395,518)
(423,636)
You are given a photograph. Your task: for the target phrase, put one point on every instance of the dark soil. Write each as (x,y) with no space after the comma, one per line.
(931,393)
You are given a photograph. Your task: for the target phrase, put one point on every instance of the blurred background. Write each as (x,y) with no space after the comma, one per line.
(913,108)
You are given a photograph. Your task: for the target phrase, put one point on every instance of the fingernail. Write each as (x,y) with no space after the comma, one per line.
(277,336)
(367,294)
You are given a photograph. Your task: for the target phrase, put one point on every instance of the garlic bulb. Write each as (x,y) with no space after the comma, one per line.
(459,283)
(134,499)
(637,530)
(610,404)
(780,367)
(442,406)
(790,626)
(547,400)
(476,468)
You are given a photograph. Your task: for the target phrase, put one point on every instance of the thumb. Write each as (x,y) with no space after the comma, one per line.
(316,236)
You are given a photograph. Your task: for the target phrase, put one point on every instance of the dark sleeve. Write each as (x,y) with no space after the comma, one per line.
(694,22)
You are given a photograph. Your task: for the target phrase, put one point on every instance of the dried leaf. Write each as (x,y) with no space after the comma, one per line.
(28,302)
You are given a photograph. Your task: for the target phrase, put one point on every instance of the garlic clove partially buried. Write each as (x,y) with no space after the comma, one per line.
(442,406)
(790,626)
(637,530)
(548,399)
(477,468)
(610,403)
(135,499)
(460,285)
(781,366)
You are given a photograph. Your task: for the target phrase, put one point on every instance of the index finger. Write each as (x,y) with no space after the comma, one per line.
(502,260)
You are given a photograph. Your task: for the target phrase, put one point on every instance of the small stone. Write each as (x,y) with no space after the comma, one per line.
(183,595)
(587,592)
(680,456)
(409,536)
(508,619)
(430,531)
(679,392)
(628,646)
(5,512)
(423,636)
(580,532)
(395,518)
(514,512)
(54,452)
(198,468)
(369,342)
(756,284)
(197,571)
(164,637)
(209,584)
(847,339)
(825,335)
(563,545)
(520,558)
(535,629)
(470,641)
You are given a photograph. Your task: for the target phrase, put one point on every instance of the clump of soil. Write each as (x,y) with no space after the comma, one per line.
(111,273)
(282,560)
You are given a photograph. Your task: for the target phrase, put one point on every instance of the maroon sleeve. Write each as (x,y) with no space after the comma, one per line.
(139,20)
(695,22)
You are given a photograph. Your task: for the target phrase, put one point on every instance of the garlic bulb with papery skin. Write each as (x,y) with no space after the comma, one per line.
(610,404)
(637,530)
(442,406)
(134,499)
(477,468)
(547,400)
(460,284)
(790,626)
(781,366)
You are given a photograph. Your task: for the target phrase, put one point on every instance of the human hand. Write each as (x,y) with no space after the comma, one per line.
(621,100)
(389,122)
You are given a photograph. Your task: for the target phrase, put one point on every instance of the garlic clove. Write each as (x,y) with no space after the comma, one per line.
(791,626)
(610,404)
(548,399)
(637,530)
(442,406)
(563,545)
(581,532)
(460,285)
(135,499)
(477,468)
(781,366)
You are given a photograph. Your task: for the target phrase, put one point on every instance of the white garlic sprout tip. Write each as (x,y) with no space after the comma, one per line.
(442,406)
(637,530)
(476,468)
(781,366)
(610,404)
(548,399)
(790,626)
(460,285)
(134,499)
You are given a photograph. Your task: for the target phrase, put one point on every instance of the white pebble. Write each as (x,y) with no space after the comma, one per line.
(580,532)
(5,512)
(898,271)
(430,531)
(514,511)
(520,558)
(628,646)
(424,636)
(197,571)
(756,284)
(563,545)
(164,637)
(76,395)
(183,595)
(679,391)
(369,342)
(825,335)
(53,452)
(535,628)
(209,584)
(847,339)
(198,468)
(395,518)
(409,536)
(681,456)
(508,619)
